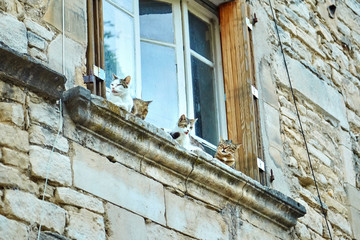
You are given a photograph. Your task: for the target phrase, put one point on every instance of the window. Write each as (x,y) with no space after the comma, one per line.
(175,54)
(172,48)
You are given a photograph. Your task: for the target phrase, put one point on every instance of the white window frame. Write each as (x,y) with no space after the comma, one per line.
(183,58)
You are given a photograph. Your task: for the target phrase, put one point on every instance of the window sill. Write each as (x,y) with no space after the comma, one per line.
(135,135)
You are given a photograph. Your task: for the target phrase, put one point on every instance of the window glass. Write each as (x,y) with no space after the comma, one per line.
(204,101)
(200,36)
(159,84)
(156,21)
(126,4)
(119,44)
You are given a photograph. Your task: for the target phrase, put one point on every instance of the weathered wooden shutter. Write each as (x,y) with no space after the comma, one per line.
(95,78)
(239,80)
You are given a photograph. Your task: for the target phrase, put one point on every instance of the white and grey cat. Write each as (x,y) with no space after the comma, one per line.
(182,134)
(225,152)
(120,93)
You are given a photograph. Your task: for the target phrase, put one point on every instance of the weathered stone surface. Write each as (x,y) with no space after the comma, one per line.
(72,197)
(36,41)
(44,113)
(51,236)
(15,158)
(302,231)
(14,137)
(38,29)
(320,156)
(338,221)
(75,18)
(35,53)
(27,207)
(121,224)
(12,92)
(10,229)
(131,190)
(353,196)
(348,165)
(75,53)
(11,177)
(155,231)
(58,166)
(312,219)
(354,220)
(12,112)
(311,87)
(86,225)
(45,137)
(187,216)
(17,40)
(272,126)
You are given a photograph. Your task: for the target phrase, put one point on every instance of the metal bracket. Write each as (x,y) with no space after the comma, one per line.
(248,23)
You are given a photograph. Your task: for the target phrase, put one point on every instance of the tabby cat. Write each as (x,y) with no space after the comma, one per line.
(140,108)
(225,152)
(120,93)
(181,134)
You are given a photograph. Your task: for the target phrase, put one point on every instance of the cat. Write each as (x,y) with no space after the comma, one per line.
(120,93)
(225,152)
(140,108)
(181,134)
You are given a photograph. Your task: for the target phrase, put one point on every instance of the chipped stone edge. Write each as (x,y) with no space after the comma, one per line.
(21,69)
(102,117)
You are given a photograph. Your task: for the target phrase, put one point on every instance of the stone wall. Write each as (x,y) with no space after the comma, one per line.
(322,54)
(99,189)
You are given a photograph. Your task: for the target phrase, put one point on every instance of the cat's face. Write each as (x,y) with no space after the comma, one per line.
(140,108)
(226,147)
(119,86)
(186,124)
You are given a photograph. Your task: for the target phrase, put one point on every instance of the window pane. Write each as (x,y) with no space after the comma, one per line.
(204,101)
(156,21)
(200,36)
(126,4)
(119,43)
(159,84)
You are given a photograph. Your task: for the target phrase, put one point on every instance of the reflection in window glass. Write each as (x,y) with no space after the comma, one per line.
(200,36)
(156,21)
(204,101)
(119,45)
(126,4)
(159,83)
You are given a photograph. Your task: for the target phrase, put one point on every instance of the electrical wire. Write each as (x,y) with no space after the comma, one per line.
(298,116)
(48,165)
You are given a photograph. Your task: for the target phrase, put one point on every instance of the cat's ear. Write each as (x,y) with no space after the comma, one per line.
(237,146)
(127,79)
(193,121)
(148,102)
(182,117)
(114,76)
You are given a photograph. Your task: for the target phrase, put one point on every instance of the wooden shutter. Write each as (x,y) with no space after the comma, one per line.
(95,79)
(239,77)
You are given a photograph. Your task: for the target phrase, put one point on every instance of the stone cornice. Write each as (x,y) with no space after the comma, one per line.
(104,118)
(22,70)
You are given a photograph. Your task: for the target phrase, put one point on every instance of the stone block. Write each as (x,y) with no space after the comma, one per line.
(15,158)
(36,41)
(312,219)
(129,189)
(354,120)
(123,225)
(267,86)
(27,207)
(12,112)
(17,40)
(320,155)
(193,219)
(72,197)
(302,231)
(340,222)
(353,195)
(85,225)
(75,53)
(155,231)
(10,229)
(354,221)
(348,165)
(12,92)
(272,127)
(44,113)
(58,166)
(45,137)
(38,29)
(326,98)
(35,53)
(75,18)
(352,94)
(11,177)
(14,137)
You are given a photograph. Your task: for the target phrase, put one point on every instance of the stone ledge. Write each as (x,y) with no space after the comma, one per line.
(22,70)
(98,115)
